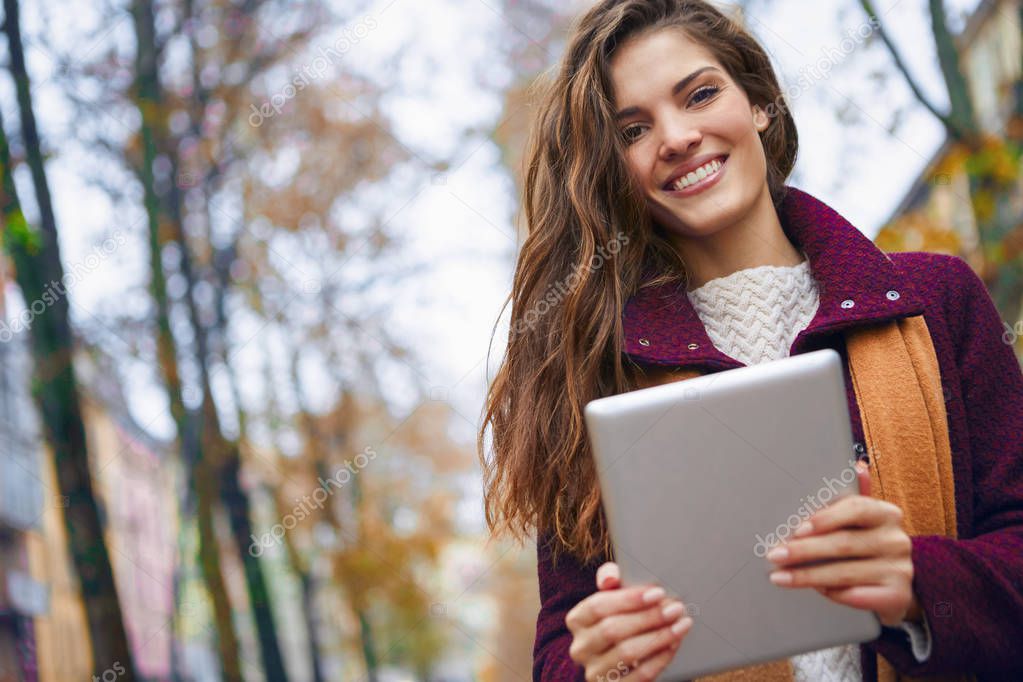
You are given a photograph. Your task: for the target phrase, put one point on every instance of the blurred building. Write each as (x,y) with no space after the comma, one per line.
(22,594)
(936,213)
(134,485)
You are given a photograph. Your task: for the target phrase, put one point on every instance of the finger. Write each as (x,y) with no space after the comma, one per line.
(844,573)
(848,543)
(600,605)
(614,629)
(853,510)
(608,576)
(653,666)
(634,650)
(863,474)
(877,598)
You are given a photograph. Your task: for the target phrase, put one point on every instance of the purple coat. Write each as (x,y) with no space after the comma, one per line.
(970,588)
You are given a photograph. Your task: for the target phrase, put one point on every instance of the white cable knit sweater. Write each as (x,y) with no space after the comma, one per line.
(754,315)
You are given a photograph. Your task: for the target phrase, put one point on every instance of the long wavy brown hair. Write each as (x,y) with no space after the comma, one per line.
(591,244)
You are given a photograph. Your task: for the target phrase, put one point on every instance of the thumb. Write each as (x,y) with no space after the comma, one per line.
(863,474)
(608,577)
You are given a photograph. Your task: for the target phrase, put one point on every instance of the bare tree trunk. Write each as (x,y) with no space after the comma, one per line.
(300,566)
(236,500)
(314,439)
(221,271)
(220,456)
(36,256)
(308,605)
(201,479)
(223,459)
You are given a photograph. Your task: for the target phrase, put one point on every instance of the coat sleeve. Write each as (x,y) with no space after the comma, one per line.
(562,586)
(971,588)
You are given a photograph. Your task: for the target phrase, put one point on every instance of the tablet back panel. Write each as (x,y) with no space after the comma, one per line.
(700,477)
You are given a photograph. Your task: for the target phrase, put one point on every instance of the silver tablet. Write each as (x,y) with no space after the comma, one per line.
(700,477)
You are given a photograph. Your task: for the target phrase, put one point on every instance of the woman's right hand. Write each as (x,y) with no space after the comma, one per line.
(633,632)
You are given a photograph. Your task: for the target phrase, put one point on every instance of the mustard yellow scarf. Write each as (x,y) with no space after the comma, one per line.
(898,389)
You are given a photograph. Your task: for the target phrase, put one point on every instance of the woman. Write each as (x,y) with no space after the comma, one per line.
(662,238)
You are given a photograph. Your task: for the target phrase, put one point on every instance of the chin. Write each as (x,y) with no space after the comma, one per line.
(700,219)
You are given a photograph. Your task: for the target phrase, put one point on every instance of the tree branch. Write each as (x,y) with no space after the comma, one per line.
(949,124)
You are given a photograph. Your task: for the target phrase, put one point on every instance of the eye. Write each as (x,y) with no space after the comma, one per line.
(709,91)
(630,133)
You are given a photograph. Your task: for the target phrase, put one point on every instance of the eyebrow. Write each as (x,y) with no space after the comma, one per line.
(678,87)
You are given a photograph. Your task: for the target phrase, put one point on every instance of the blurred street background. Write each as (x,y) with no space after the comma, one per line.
(254,259)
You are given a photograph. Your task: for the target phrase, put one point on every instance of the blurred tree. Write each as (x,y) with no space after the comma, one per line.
(990,162)
(391,522)
(268,186)
(512,581)
(301,564)
(207,145)
(533,34)
(332,139)
(201,472)
(36,256)
(379,572)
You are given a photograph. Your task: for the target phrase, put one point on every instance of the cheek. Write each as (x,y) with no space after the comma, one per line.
(745,134)
(632,162)
(732,121)
(635,168)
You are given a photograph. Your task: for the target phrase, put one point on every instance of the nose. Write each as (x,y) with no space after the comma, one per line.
(679,137)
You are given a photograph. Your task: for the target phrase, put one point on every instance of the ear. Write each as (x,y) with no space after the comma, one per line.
(760,118)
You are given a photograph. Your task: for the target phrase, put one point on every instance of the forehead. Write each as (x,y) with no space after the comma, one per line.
(645,63)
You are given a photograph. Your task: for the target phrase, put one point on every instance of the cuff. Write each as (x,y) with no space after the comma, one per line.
(932,557)
(919,638)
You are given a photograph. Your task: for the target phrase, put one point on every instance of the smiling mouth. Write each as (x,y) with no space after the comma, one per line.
(698,177)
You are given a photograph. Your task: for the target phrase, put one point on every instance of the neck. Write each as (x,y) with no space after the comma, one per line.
(757,239)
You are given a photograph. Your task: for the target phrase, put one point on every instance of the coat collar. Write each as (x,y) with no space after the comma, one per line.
(857,282)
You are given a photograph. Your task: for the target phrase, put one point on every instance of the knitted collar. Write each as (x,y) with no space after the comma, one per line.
(857,282)
(788,275)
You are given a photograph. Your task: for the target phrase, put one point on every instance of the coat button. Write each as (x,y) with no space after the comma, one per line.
(693,346)
(644,342)
(848,303)
(892,295)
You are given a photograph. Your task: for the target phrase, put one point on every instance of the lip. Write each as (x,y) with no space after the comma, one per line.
(704,184)
(690,166)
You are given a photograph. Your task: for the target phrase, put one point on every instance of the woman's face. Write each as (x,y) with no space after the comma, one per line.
(678,111)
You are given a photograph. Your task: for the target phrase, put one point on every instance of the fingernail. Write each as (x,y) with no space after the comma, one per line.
(781,577)
(652,595)
(777,554)
(803,529)
(673,609)
(681,626)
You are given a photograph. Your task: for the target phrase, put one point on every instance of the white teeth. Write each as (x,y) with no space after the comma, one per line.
(700,173)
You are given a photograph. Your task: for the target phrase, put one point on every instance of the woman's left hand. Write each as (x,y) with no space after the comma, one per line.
(869,563)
